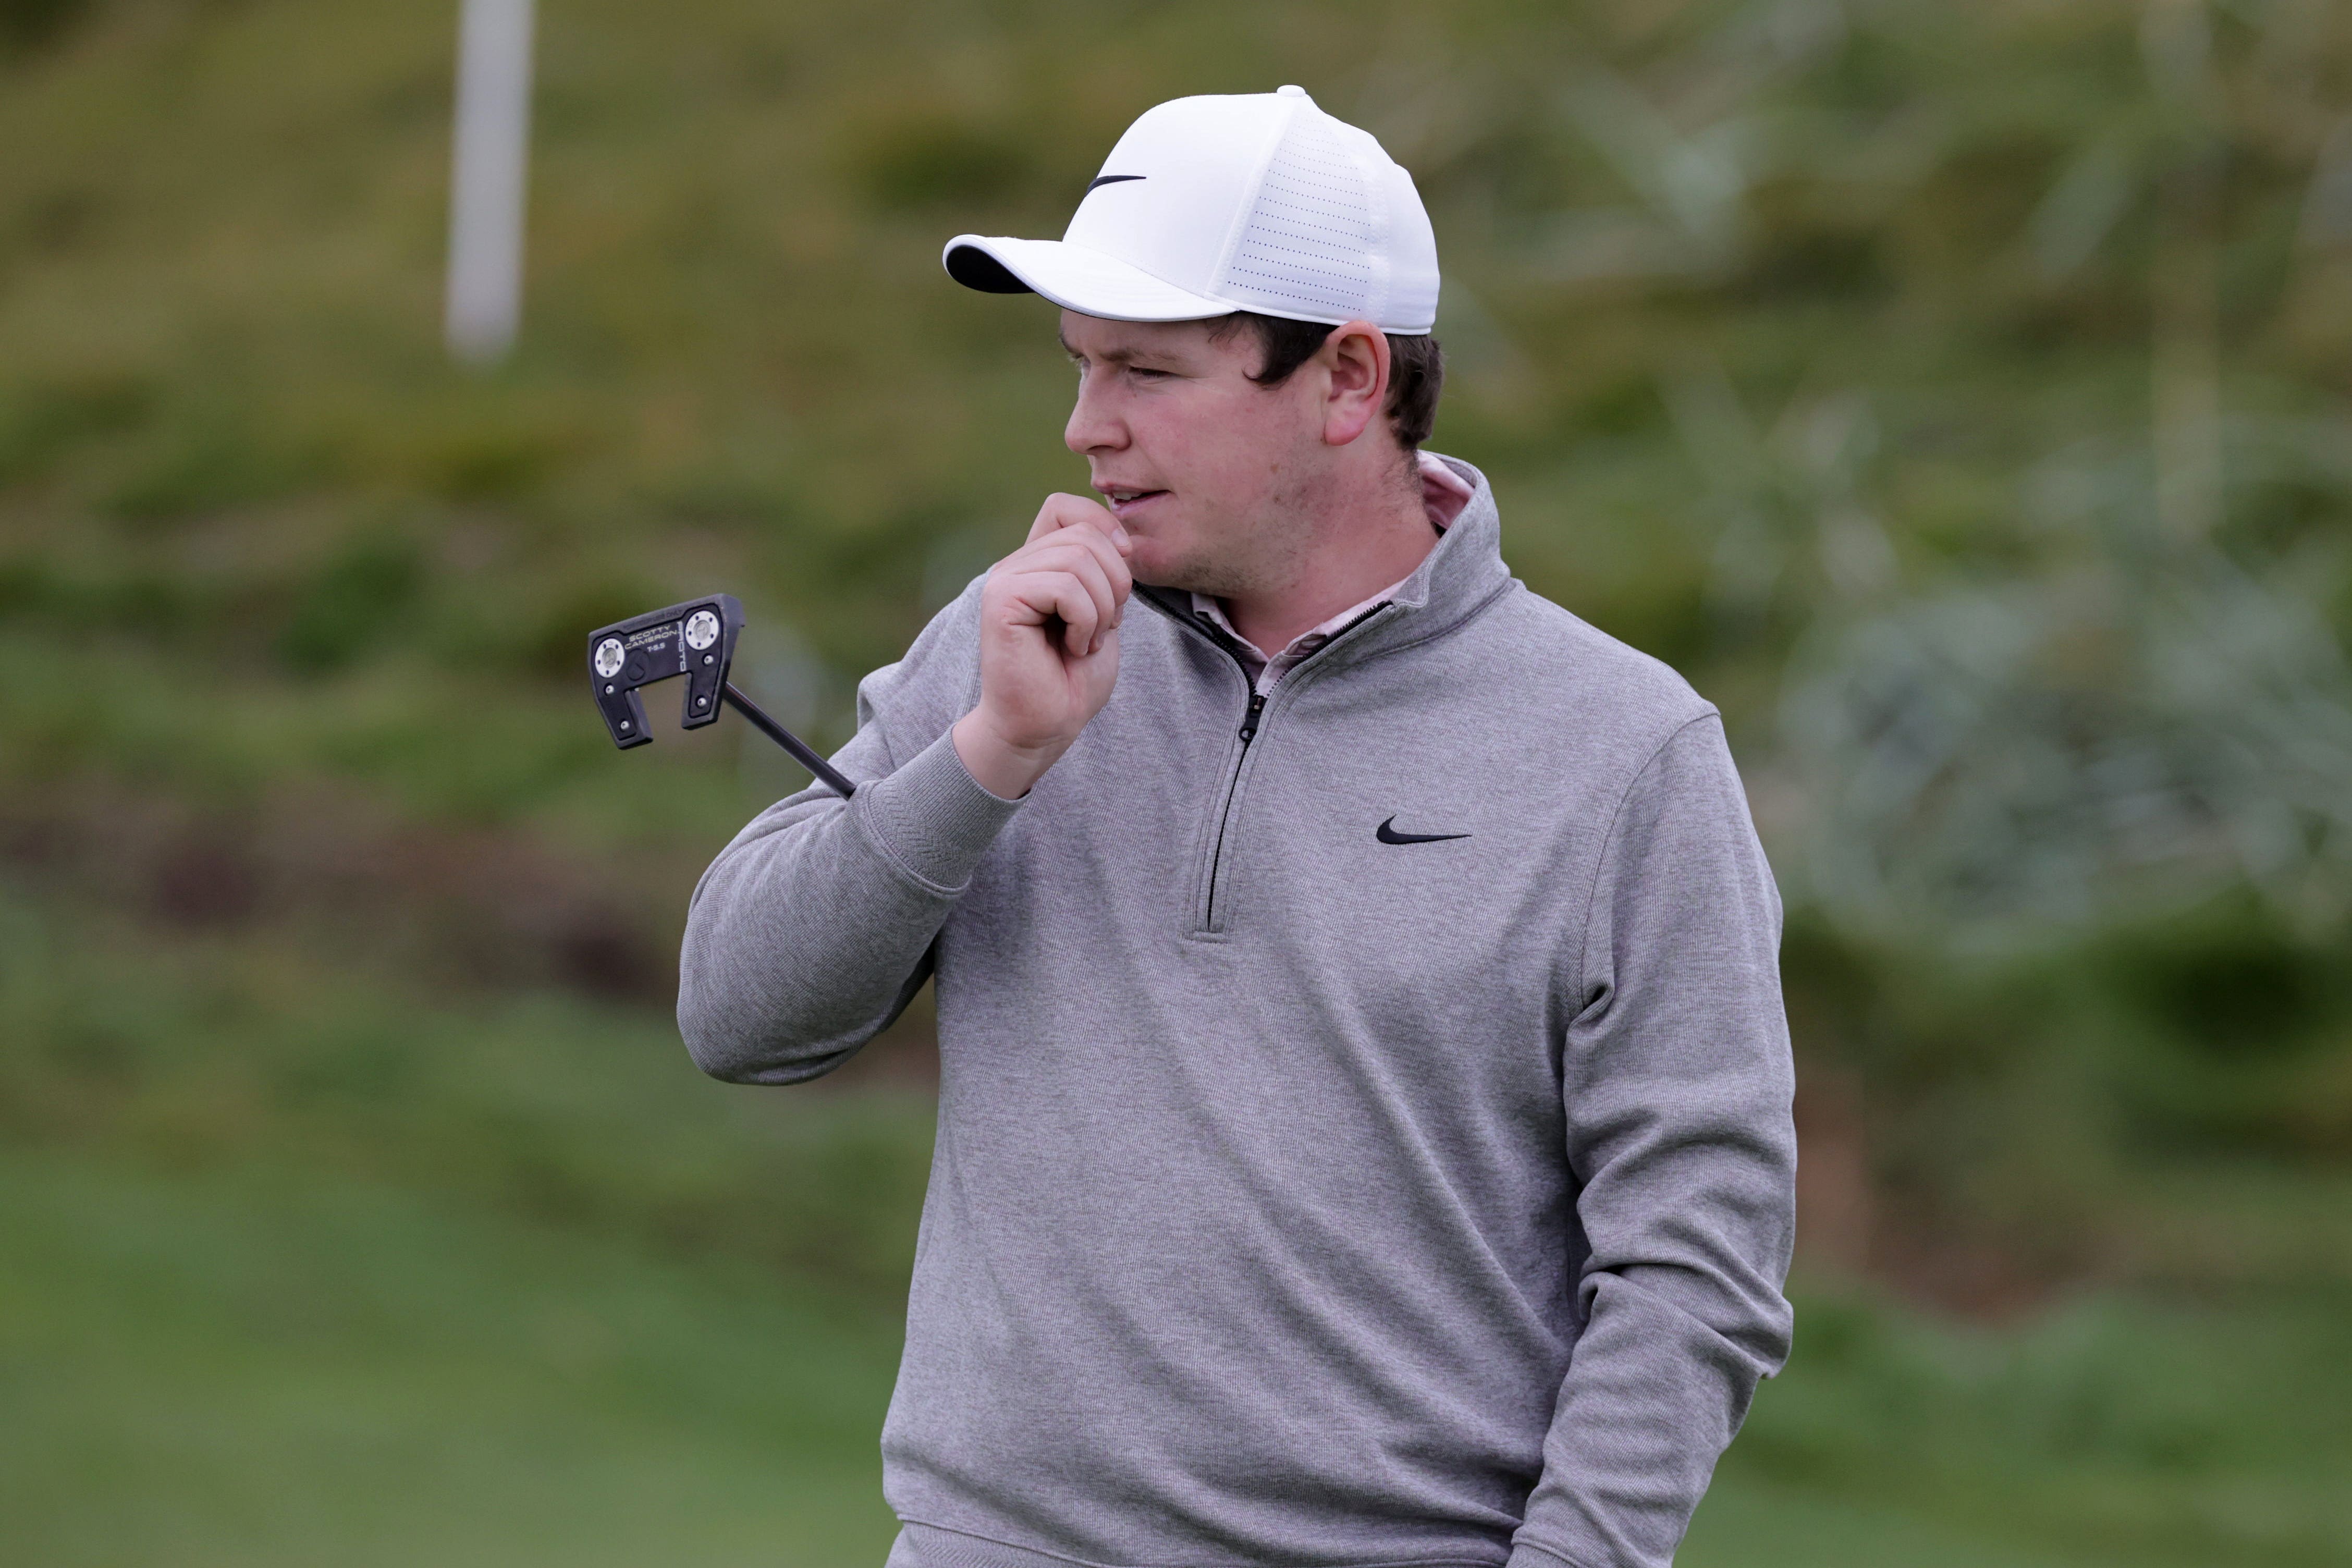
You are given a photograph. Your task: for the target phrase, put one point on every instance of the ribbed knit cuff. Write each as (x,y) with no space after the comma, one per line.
(931,819)
(1527,1554)
(923,1546)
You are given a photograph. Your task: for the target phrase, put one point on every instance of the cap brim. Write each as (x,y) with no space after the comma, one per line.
(1091,282)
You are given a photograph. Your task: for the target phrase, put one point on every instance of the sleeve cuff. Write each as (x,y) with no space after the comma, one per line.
(931,819)
(1527,1554)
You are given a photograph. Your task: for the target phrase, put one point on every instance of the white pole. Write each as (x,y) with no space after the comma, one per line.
(489,155)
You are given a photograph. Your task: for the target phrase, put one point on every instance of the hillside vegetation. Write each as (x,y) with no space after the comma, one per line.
(1961,397)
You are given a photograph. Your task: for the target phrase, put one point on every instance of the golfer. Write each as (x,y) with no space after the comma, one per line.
(1364,1093)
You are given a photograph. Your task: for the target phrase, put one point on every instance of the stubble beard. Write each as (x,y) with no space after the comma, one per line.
(1253,558)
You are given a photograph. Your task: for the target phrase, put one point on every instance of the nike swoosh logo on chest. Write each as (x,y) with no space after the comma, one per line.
(1387,834)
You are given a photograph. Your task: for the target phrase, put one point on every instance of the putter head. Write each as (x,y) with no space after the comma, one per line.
(696,640)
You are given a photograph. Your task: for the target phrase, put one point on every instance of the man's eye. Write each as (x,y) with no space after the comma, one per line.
(1145,372)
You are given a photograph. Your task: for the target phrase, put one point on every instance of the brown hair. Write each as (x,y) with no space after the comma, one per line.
(1416,366)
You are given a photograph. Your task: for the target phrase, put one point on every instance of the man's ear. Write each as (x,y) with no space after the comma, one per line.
(1355,361)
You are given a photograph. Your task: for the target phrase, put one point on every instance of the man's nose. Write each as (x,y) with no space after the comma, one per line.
(1092,426)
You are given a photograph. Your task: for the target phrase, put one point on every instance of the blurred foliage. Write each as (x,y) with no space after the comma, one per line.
(353,602)
(1960,397)
(29,23)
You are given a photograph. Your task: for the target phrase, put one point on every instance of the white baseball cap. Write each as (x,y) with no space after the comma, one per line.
(1248,202)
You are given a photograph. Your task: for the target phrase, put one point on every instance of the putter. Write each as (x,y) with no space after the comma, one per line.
(696,640)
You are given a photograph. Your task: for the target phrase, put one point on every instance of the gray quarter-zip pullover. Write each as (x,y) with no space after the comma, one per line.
(1364,1111)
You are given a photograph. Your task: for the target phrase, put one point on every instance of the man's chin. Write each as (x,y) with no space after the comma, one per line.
(1156,567)
(1176,571)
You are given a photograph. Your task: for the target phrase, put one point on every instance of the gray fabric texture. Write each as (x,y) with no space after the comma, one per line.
(1301,1197)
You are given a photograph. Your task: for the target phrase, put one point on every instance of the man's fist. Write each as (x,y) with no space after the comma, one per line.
(1049,618)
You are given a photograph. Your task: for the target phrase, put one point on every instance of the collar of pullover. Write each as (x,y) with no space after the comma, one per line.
(1460,575)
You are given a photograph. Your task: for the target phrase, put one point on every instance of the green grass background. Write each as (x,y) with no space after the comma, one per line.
(356,1201)
(298,1272)
(245,1369)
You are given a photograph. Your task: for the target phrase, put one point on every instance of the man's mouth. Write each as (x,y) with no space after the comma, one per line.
(1127,499)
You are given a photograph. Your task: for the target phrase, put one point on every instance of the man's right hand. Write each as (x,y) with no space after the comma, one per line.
(1049,618)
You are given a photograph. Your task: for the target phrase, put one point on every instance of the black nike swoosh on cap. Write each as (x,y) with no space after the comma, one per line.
(1101,180)
(1387,834)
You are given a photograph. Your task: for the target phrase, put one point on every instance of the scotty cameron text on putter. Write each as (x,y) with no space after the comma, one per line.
(696,640)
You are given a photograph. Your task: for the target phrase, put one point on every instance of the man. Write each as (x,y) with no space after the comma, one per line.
(1364,1101)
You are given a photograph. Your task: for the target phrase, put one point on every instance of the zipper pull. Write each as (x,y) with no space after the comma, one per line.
(1249,720)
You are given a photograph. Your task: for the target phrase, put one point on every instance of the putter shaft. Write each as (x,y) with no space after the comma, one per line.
(833,778)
